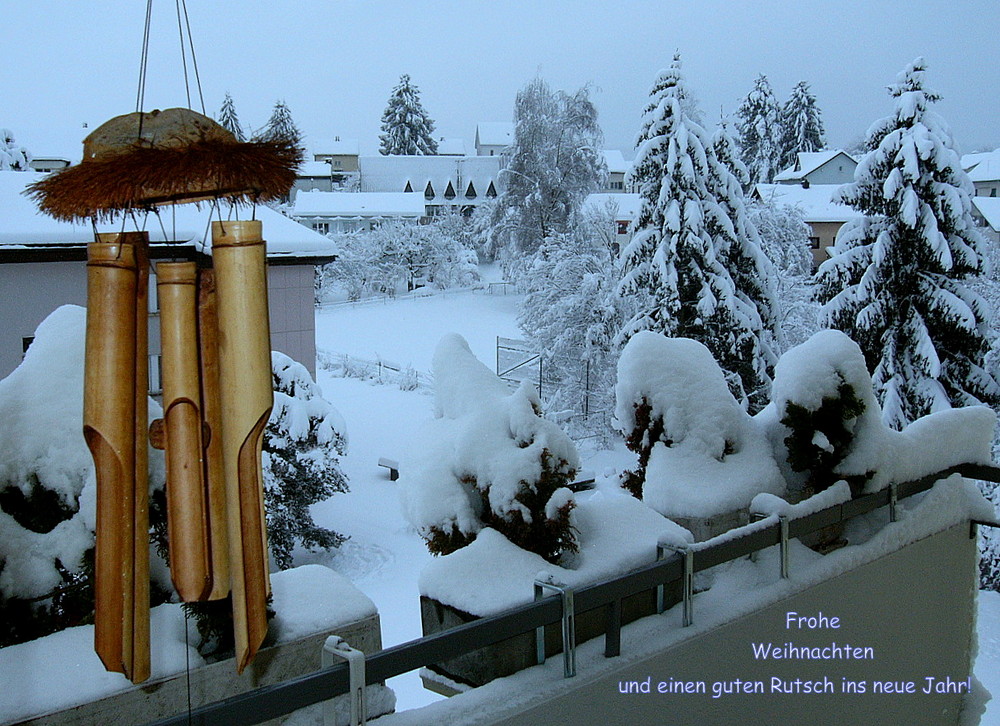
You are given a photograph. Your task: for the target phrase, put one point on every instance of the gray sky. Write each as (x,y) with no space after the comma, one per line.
(334,63)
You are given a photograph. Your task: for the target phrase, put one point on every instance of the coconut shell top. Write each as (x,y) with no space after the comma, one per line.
(173,156)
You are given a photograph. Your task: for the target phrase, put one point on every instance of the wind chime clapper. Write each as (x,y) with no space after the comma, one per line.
(114,410)
(216,363)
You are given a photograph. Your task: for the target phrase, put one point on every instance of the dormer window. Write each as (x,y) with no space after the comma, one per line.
(429,191)
(491,192)
(408,187)
(470,193)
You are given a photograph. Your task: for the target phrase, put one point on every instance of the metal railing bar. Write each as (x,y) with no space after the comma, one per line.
(270,702)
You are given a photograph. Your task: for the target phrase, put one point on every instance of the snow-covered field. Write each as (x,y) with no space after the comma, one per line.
(384,556)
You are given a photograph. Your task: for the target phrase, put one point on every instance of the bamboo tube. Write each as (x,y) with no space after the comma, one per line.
(246,397)
(214,473)
(140,505)
(109,417)
(187,515)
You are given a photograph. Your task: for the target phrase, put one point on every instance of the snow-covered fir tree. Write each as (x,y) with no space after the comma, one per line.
(674,265)
(758,121)
(801,125)
(406,127)
(229,120)
(280,126)
(13,157)
(899,281)
(553,164)
(740,251)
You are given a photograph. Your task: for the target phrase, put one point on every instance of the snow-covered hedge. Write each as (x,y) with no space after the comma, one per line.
(491,461)
(700,454)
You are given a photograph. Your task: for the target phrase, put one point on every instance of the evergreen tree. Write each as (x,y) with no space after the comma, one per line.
(551,167)
(12,156)
(898,281)
(802,125)
(759,126)
(228,119)
(684,236)
(280,127)
(406,127)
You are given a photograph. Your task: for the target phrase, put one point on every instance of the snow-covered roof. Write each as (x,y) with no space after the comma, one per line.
(816,202)
(970,160)
(494,133)
(22,225)
(986,169)
(808,162)
(314,168)
(451,147)
(393,173)
(359,204)
(335,147)
(628,204)
(615,161)
(989,208)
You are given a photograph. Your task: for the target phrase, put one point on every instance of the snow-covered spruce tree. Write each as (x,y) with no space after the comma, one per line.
(673,265)
(758,121)
(785,240)
(280,126)
(303,442)
(491,461)
(553,164)
(898,283)
(228,119)
(13,157)
(741,252)
(801,125)
(570,313)
(406,127)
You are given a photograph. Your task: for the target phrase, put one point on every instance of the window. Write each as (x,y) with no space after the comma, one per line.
(155,374)
(617,185)
(408,187)
(492,191)
(321,227)
(449,193)
(814,243)
(622,227)
(429,191)
(470,193)
(26,343)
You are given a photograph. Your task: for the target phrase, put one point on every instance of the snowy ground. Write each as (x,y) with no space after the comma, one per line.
(385,556)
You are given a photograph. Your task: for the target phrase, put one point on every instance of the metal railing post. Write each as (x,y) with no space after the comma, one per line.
(568,626)
(687,586)
(783,521)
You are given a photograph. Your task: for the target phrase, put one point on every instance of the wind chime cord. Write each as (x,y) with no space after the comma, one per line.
(187,664)
(180,33)
(194,58)
(143,62)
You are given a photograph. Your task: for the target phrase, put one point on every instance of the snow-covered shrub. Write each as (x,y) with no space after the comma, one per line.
(700,453)
(823,396)
(492,461)
(303,441)
(48,488)
(13,157)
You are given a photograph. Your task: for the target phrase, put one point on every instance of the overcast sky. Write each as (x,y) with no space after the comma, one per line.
(68,62)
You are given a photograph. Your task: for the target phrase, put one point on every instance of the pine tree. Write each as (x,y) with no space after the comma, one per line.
(675,262)
(759,126)
(280,127)
(551,167)
(802,125)
(228,119)
(406,127)
(12,156)
(898,283)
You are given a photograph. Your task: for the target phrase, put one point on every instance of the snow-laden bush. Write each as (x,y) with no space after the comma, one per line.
(399,256)
(492,461)
(47,486)
(303,441)
(699,452)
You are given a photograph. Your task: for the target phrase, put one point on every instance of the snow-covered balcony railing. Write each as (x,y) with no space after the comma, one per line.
(669,573)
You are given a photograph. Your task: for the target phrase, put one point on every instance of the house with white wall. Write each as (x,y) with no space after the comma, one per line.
(833,166)
(492,137)
(345,212)
(824,216)
(43,266)
(984,171)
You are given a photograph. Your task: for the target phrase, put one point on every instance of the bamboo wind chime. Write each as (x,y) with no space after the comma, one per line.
(217,389)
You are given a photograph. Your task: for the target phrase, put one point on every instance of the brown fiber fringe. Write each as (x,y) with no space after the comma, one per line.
(142,176)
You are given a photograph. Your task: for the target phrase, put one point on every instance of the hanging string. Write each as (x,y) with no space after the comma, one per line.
(187,664)
(143,62)
(180,32)
(194,59)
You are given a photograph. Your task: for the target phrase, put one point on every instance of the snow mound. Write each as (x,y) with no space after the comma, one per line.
(616,533)
(712,456)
